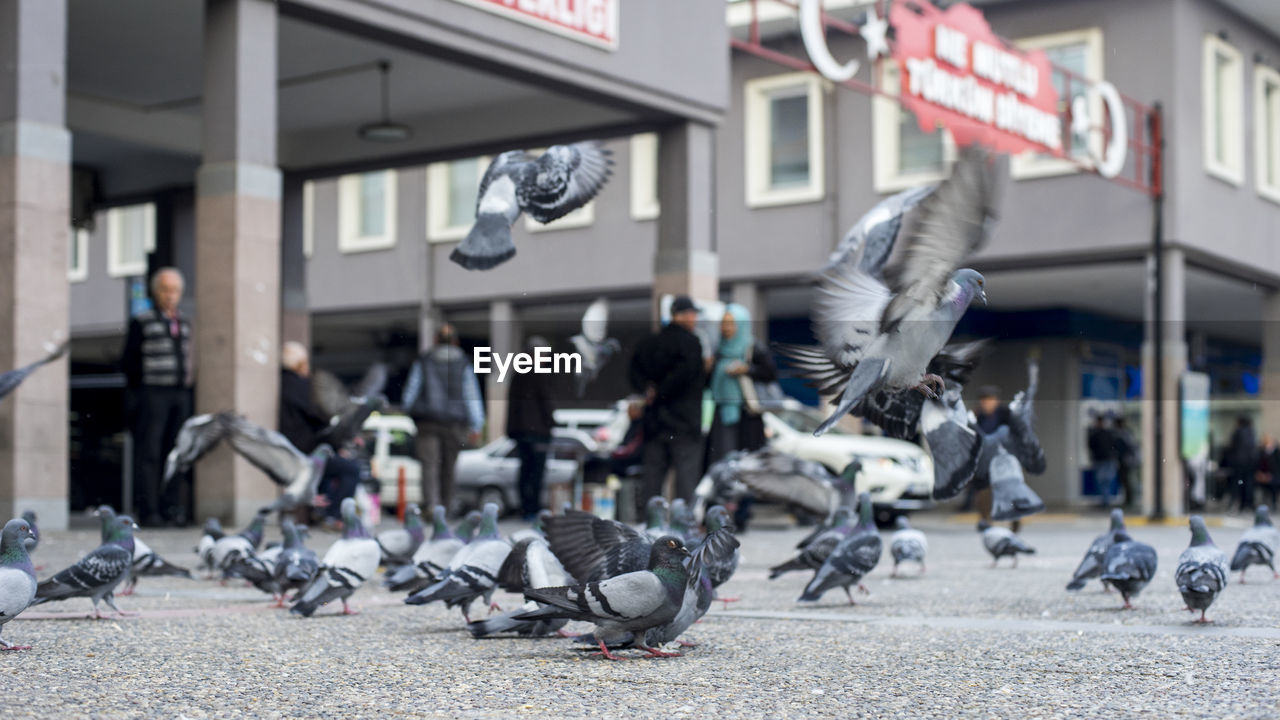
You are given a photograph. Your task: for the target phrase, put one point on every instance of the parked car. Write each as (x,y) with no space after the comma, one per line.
(898,474)
(489,474)
(389,440)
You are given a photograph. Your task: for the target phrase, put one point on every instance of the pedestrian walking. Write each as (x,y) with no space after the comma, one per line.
(529,421)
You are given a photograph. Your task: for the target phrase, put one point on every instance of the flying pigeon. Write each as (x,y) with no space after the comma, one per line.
(432,556)
(1257,546)
(907,545)
(1001,542)
(17,575)
(350,561)
(204,548)
(1128,565)
(97,574)
(347,408)
(1202,570)
(399,544)
(623,605)
(850,560)
(871,240)
(296,565)
(1092,564)
(530,565)
(34,539)
(875,335)
(816,552)
(9,381)
(593,344)
(473,571)
(548,187)
(245,543)
(657,515)
(1011,497)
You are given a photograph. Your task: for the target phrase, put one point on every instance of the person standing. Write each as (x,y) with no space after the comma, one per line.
(156,362)
(300,420)
(1242,454)
(738,359)
(1126,460)
(1103,458)
(1268,475)
(991,414)
(668,368)
(443,397)
(529,421)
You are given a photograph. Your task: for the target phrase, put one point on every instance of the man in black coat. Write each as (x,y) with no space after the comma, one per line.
(300,420)
(529,423)
(668,368)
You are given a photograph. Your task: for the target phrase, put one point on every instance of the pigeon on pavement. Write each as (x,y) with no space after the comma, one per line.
(1258,545)
(1202,570)
(816,551)
(399,544)
(1128,565)
(1092,564)
(204,548)
(656,517)
(851,560)
(350,561)
(245,543)
(530,565)
(907,545)
(97,574)
(473,571)
(432,556)
(145,560)
(1001,542)
(17,575)
(297,565)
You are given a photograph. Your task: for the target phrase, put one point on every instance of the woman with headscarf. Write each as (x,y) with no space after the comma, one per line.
(734,426)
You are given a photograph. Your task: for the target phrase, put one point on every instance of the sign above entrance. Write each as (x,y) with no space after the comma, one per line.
(594,22)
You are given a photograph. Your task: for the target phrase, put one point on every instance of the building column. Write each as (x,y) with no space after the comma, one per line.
(35,217)
(504,337)
(1173,362)
(295,313)
(238,246)
(748,295)
(686,262)
(1270,391)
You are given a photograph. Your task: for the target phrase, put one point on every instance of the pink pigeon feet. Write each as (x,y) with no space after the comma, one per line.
(279,603)
(726,601)
(931,386)
(687,644)
(1202,620)
(605,652)
(494,606)
(346,610)
(4,648)
(655,653)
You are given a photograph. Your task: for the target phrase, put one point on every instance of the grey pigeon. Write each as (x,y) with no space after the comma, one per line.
(1092,564)
(432,556)
(204,547)
(815,552)
(907,544)
(399,544)
(17,575)
(548,187)
(623,605)
(772,475)
(145,560)
(683,523)
(347,408)
(593,549)
(657,515)
(259,570)
(529,566)
(718,549)
(1128,566)
(1258,545)
(473,571)
(229,548)
(897,413)
(1001,542)
(350,561)
(1011,497)
(9,381)
(536,529)
(34,539)
(850,560)
(875,335)
(593,344)
(1202,570)
(296,565)
(871,240)
(718,566)
(97,574)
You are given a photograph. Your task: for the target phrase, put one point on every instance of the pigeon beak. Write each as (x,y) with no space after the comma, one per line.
(983,294)
(134,525)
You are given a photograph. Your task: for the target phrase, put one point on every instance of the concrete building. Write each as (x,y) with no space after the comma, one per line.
(734,177)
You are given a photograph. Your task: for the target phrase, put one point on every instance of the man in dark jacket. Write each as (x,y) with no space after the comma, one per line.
(1101,442)
(668,368)
(300,420)
(529,423)
(1243,456)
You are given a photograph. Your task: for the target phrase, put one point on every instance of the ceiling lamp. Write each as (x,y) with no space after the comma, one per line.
(384,130)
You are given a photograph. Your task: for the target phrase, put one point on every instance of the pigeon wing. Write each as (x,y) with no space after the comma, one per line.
(268,450)
(567,177)
(198,435)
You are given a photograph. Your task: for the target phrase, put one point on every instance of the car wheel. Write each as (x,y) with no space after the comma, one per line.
(494,495)
(885,516)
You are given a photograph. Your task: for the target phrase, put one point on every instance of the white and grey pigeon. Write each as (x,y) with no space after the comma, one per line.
(820,546)
(350,561)
(204,547)
(875,335)
(715,553)
(529,566)
(907,544)
(432,556)
(1001,542)
(245,543)
(145,560)
(399,544)
(1128,566)
(1092,564)
(850,560)
(1258,545)
(1202,572)
(473,571)
(593,344)
(871,240)
(97,574)
(548,187)
(17,574)
(10,380)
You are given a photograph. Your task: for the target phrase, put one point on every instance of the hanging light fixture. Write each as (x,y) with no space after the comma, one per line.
(384,130)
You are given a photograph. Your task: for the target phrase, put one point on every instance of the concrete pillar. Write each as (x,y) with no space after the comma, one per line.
(504,337)
(1270,390)
(1172,363)
(748,295)
(238,245)
(295,314)
(35,217)
(686,261)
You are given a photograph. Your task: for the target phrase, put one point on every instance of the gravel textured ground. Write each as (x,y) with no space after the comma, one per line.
(963,640)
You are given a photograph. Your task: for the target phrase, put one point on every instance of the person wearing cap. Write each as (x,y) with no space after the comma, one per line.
(668,368)
(529,421)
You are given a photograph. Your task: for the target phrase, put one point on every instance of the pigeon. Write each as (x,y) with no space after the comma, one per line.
(718,549)
(592,549)
(1202,570)
(816,552)
(1001,542)
(259,571)
(347,408)
(34,539)
(898,414)
(97,574)
(17,574)
(145,560)
(468,526)
(719,566)
(1128,565)
(530,565)
(907,545)
(350,561)
(548,187)
(399,544)
(9,381)
(871,240)
(876,335)
(656,516)
(204,548)
(850,560)
(296,565)
(1092,564)
(623,605)
(245,543)
(535,529)
(473,571)
(1011,497)
(683,524)
(772,475)
(1257,546)
(432,556)
(593,344)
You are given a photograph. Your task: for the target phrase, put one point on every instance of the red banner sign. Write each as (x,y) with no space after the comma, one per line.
(956,73)
(590,21)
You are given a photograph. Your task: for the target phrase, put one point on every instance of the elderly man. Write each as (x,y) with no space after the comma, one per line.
(300,420)
(157,367)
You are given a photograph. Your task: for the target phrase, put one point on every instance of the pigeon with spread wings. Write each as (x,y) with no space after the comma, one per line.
(347,408)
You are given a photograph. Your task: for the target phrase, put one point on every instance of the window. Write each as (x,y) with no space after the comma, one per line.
(78,257)
(308,218)
(1222,80)
(367,211)
(905,156)
(451,197)
(644,176)
(131,234)
(581,217)
(784,140)
(1080,52)
(1266,129)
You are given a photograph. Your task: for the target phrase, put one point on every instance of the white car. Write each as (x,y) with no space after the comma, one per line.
(898,474)
(389,440)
